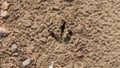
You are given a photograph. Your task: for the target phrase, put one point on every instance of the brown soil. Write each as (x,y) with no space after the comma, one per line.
(68,33)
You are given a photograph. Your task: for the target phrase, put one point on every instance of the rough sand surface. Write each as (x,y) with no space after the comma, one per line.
(62,33)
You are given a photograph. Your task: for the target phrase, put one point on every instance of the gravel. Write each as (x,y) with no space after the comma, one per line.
(13,47)
(26,62)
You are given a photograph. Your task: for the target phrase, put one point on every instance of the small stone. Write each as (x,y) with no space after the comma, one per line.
(45,33)
(13,47)
(1,54)
(43,39)
(79,54)
(4,6)
(15,54)
(29,48)
(26,62)
(34,26)
(3,13)
(4,32)
(56,8)
(51,66)
(27,23)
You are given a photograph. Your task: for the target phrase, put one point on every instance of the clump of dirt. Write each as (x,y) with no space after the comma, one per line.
(61,34)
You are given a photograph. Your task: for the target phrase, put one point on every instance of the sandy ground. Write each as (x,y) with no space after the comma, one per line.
(61,33)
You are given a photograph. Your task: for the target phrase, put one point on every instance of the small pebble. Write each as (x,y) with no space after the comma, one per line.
(51,66)
(3,33)
(1,54)
(80,54)
(45,33)
(43,39)
(3,13)
(26,62)
(56,8)
(13,47)
(15,54)
(2,30)
(34,26)
(4,5)
(27,23)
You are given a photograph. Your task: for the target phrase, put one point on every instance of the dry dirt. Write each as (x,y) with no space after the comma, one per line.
(67,33)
